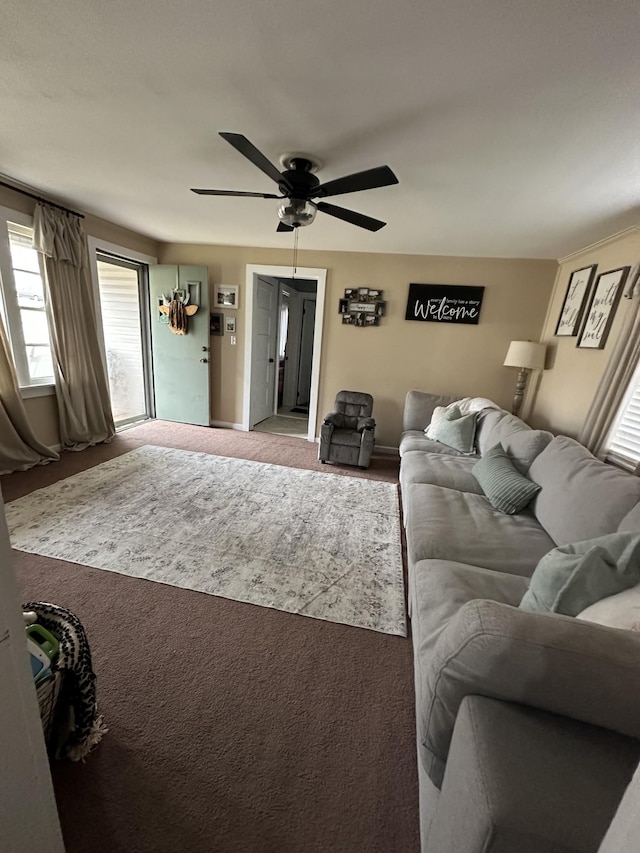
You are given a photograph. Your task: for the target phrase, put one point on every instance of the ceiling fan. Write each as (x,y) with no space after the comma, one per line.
(299,186)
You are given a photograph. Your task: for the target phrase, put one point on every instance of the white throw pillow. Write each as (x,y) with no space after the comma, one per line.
(617,611)
(475,404)
(436,417)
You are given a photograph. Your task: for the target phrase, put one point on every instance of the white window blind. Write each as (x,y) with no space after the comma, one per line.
(623,444)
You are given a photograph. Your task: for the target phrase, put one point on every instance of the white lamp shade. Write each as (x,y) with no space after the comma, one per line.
(525,354)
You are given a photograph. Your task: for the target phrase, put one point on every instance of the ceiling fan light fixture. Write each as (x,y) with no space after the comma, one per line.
(297,212)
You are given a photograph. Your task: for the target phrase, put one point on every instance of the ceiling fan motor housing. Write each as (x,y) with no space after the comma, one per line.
(299,182)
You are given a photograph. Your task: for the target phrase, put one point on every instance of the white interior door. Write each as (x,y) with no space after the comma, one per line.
(306,351)
(264,344)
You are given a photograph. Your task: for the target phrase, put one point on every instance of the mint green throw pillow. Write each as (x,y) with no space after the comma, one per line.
(457,430)
(572,577)
(507,489)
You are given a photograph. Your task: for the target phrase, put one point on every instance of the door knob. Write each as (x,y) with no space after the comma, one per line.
(271,360)
(205,349)
(204,361)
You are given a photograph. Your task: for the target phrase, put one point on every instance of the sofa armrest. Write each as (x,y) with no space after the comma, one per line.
(547,661)
(419,406)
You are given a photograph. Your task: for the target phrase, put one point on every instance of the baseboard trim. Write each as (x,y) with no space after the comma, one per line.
(227,425)
(381,448)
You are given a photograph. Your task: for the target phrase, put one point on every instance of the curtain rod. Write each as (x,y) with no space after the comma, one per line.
(43,200)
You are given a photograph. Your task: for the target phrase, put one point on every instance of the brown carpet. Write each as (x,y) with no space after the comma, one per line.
(232,727)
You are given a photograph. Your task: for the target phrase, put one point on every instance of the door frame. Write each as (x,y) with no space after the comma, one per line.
(95,245)
(320,277)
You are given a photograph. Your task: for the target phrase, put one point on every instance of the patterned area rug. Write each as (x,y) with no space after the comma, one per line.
(305,542)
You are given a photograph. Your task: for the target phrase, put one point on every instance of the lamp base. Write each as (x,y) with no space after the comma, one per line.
(521,384)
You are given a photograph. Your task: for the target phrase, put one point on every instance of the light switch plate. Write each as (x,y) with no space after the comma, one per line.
(233,340)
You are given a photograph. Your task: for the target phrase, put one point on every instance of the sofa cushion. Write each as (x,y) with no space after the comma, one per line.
(487,421)
(452,472)
(417,440)
(437,591)
(445,524)
(616,611)
(439,588)
(524,445)
(418,409)
(457,430)
(581,497)
(506,488)
(572,577)
(523,780)
(501,428)
(346,437)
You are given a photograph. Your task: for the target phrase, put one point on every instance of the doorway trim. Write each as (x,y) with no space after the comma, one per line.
(95,245)
(320,277)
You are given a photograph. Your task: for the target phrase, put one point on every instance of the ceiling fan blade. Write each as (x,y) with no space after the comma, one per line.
(351,216)
(234,193)
(283,227)
(248,150)
(381,176)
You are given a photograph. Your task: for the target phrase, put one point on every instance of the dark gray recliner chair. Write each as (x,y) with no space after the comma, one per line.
(347,434)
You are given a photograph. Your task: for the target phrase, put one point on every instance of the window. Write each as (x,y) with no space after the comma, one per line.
(23,302)
(623,443)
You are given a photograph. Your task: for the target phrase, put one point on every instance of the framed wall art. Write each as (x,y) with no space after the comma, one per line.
(575,302)
(230,325)
(215,323)
(602,308)
(444,303)
(362,306)
(226,295)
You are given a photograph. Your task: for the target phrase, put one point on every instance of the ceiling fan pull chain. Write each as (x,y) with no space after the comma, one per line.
(295,251)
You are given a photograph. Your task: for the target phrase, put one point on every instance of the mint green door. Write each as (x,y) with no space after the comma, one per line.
(180,362)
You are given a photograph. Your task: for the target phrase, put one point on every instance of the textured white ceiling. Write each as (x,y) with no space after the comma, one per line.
(513,125)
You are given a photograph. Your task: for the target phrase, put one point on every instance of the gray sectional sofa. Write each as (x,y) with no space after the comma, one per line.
(528,724)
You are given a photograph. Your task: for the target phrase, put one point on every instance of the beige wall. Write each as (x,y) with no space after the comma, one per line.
(398,355)
(42,411)
(569,383)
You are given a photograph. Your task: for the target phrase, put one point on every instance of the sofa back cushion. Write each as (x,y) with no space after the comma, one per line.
(419,406)
(524,445)
(581,497)
(487,422)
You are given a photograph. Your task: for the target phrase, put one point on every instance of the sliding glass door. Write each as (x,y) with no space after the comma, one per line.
(124,311)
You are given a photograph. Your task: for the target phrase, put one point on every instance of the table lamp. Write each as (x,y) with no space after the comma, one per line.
(526,355)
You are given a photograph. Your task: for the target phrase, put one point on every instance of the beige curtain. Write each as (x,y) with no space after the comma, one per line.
(82,389)
(19,448)
(615,381)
